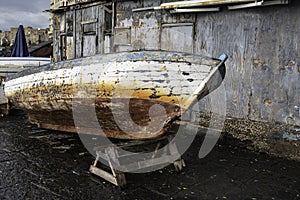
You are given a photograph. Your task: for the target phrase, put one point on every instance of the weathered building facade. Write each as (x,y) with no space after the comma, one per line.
(58,4)
(263,70)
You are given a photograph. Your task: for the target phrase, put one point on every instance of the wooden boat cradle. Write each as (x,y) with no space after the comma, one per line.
(111,155)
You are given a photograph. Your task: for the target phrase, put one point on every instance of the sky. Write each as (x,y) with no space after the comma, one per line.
(26,12)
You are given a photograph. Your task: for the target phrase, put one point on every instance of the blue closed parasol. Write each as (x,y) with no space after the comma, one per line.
(20,48)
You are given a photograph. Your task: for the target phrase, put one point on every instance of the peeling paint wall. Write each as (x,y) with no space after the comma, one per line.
(155,30)
(262,80)
(136,31)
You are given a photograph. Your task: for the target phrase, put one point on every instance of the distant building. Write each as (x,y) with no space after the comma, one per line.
(34,36)
(4,38)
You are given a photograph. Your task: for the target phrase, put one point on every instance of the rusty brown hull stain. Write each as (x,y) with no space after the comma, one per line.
(105,124)
(57,96)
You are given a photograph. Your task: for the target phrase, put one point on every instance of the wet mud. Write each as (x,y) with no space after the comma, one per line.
(43,164)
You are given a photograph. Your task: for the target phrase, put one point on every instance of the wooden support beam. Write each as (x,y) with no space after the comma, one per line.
(89,21)
(190,10)
(258,4)
(145,9)
(182,6)
(118,179)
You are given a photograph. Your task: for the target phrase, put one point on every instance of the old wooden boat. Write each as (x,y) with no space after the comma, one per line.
(120,95)
(11,65)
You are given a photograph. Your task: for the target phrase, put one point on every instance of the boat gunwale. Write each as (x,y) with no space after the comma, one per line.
(25,59)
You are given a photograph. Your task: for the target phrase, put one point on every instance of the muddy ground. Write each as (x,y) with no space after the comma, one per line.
(38,164)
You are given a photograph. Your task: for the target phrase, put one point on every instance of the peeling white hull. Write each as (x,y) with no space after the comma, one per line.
(141,79)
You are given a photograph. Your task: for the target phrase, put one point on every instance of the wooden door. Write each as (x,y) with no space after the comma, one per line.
(89,45)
